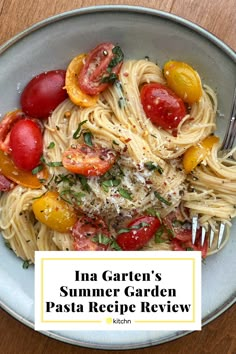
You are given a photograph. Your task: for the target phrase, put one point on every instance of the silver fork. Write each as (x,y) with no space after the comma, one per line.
(227,144)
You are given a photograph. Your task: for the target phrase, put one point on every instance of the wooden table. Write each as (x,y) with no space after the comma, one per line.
(217,16)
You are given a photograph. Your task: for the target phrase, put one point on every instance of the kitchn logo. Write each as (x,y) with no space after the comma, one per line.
(110,320)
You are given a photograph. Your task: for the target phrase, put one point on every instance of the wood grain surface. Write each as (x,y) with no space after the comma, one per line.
(217,16)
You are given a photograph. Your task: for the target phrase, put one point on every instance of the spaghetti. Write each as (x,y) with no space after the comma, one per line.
(148,174)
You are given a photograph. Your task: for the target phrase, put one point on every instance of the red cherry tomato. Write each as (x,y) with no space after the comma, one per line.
(88,161)
(86,233)
(26,144)
(5,184)
(182,241)
(6,125)
(44,93)
(162,106)
(101,65)
(139,232)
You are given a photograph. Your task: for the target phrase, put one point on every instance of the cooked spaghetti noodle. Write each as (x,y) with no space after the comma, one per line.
(118,121)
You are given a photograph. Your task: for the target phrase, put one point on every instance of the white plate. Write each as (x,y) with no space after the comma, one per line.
(51,44)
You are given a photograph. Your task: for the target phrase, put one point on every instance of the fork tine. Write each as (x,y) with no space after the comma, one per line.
(221,234)
(212,234)
(203,236)
(194,228)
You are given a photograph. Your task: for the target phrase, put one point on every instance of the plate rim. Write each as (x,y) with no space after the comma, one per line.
(144,11)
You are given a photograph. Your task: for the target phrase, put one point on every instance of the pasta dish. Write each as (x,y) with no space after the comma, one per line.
(122,161)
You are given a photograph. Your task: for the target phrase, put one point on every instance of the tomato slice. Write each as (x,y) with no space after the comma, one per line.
(139,232)
(102,65)
(183,242)
(44,93)
(21,177)
(162,106)
(183,80)
(6,125)
(5,184)
(54,212)
(88,231)
(26,144)
(197,153)
(88,161)
(76,95)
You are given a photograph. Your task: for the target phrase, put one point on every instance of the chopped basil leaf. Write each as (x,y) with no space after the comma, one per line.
(54,164)
(163,200)
(25,264)
(84,183)
(125,194)
(114,142)
(151,166)
(134,227)
(102,239)
(65,178)
(110,78)
(78,131)
(158,235)
(37,169)
(110,183)
(105,240)
(51,145)
(189,249)
(88,138)
(153,212)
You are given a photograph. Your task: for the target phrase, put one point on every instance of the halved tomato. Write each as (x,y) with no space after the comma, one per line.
(162,106)
(75,93)
(183,80)
(197,153)
(91,234)
(102,65)
(21,177)
(54,212)
(6,125)
(88,161)
(138,232)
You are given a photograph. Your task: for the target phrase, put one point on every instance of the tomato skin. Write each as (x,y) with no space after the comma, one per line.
(95,68)
(77,96)
(88,161)
(135,239)
(26,144)
(162,106)
(54,212)
(197,153)
(183,241)
(44,93)
(183,80)
(85,230)
(21,177)
(6,125)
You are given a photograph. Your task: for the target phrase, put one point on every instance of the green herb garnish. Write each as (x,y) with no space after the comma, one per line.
(78,131)
(158,235)
(151,166)
(110,183)
(25,264)
(88,138)
(125,194)
(134,227)
(51,145)
(163,200)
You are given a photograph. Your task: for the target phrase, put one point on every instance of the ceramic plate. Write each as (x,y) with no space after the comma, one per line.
(51,44)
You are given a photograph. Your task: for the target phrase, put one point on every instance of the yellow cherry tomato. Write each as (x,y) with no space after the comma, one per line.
(197,153)
(54,212)
(183,80)
(76,95)
(21,177)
